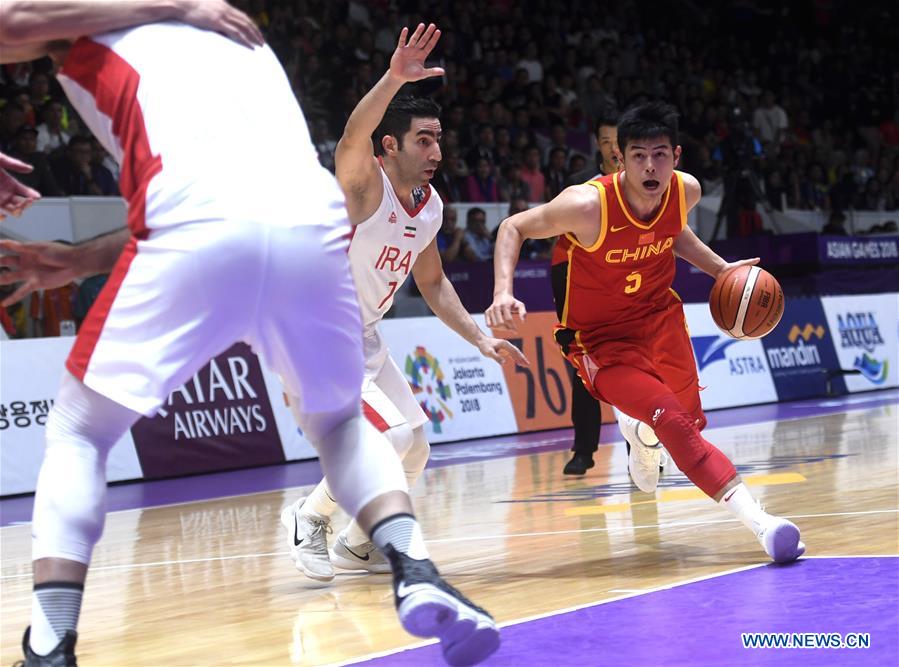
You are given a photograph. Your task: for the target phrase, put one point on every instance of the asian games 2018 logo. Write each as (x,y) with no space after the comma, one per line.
(427,382)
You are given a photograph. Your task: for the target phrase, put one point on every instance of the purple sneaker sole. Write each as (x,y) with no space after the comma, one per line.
(785,543)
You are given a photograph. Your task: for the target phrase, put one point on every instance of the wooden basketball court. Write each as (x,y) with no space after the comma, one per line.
(209,582)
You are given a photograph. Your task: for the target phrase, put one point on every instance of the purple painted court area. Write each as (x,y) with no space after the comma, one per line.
(135,495)
(701,623)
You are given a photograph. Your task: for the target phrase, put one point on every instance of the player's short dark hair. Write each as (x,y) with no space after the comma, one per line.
(398,118)
(606,119)
(647,121)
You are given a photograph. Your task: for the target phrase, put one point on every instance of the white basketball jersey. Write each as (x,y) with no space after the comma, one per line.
(202,127)
(386,245)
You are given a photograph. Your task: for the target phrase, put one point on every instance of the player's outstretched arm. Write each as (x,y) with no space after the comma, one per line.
(691,248)
(29,22)
(354,159)
(44,265)
(442,298)
(576,210)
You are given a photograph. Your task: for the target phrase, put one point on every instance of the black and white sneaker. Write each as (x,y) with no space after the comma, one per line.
(430,607)
(61,656)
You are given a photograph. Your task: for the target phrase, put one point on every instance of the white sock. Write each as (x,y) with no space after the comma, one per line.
(741,504)
(320,504)
(403,533)
(354,535)
(55,607)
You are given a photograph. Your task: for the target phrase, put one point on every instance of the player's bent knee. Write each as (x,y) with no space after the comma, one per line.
(417,457)
(401,438)
(703,463)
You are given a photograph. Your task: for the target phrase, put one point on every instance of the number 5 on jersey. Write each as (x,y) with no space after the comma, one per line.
(634,280)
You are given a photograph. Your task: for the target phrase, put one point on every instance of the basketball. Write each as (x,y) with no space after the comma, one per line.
(746,302)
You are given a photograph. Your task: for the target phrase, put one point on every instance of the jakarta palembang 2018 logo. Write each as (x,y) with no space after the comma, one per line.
(427,381)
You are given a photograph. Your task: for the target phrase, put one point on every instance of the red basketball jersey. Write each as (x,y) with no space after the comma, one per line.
(607,289)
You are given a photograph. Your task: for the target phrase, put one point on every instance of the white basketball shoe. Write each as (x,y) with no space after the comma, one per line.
(644,456)
(362,557)
(780,539)
(307,542)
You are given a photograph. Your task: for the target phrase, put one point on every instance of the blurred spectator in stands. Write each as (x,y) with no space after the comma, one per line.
(450,179)
(75,174)
(512,186)
(481,185)
(24,147)
(531,62)
(50,134)
(477,238)
(836,224)
(104,169)
(813,189)
(605,160)
(39,89)
(532,174)
(88,292)
(531,248)
(502,150)
(556,173)
(324,143)
(483,148)
(12,117)
(52,311)
(557,140)
(775,190)
(451,238)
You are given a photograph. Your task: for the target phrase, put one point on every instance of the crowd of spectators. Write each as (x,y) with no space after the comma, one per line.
(802,95)
(790,105)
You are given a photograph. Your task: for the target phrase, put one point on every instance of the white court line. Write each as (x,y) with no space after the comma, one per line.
(675,524)
(560,438)
(500,536)
(566,610)
(632,593)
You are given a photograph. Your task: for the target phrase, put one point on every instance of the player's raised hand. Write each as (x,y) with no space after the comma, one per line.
(15,197)
(408,61)
(219,16)
(36,265)
(501,313)
(500,350)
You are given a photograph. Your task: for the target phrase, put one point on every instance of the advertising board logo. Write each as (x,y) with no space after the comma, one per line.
(860,330)
(805,332)
(429,386)
(710,349)
(220,418)
(801,353)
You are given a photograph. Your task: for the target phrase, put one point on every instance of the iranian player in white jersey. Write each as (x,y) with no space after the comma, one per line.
(385,159)
(205,236)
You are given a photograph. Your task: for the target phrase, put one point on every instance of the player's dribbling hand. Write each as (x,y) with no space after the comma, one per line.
(500,350)
(733,265)
(501,313)
(408,61)
(219,16)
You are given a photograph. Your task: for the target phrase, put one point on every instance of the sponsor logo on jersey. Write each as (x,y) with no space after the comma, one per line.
(428,384)
(392,218)
(625,255)
(710,349)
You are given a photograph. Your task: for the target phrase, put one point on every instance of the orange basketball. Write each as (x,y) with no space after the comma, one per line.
(746,302)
